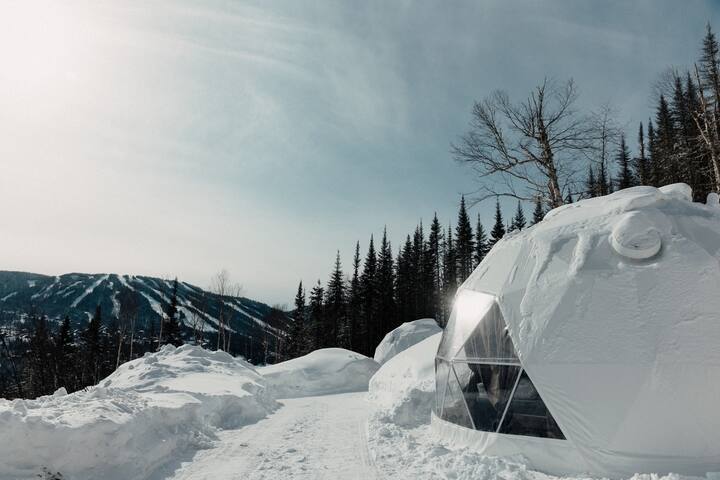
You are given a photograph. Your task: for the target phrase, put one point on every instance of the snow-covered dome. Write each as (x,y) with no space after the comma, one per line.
(590,342)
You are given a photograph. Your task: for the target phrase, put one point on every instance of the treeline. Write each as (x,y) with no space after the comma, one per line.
(386,289)
(681,143)
(37,357)
(540,151)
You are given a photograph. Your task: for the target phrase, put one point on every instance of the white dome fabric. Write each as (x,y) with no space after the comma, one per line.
(613,308)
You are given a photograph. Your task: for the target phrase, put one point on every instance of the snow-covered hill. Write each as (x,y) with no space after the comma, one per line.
(76,295)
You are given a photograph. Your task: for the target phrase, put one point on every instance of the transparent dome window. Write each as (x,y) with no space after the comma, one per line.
(480,382)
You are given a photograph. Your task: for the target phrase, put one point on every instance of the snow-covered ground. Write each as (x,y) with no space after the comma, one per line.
(191,414)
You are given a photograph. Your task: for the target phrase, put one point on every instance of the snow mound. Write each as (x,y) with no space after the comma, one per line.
(136,422)
(405,336)
(322,372)
(403,390)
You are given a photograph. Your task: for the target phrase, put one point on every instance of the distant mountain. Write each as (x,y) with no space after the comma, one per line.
(255,326)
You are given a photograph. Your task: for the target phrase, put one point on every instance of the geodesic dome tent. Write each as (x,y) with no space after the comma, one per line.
(590,342)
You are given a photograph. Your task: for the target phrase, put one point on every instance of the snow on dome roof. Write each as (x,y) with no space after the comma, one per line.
(612,305)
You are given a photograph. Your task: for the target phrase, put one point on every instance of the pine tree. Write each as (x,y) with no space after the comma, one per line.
(317,315)
(404,282)
(433,267)
(297,341)
(603,186)
(65,357)
(416,273)
(625,177)
(464,243)
(335,328)
(642,170)
(355,303)
(665,138)
(539,213)
(449,275)
(385,287)
(368,284)
(655,161)
(710,65)
(518,221)
(498,230)
(39,369)
(171,330)
(92,349)
(591,185)
(482,247)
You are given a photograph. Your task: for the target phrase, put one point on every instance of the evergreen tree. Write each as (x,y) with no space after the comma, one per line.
(449,275)
(655,160)
(710,65)
(404,282)
(591,185)
(603,185)
(482,247)
(464,243)
(92,349)
(317,315)
(368,284)
(539,213)
(171,330)
(297,340)
(65,357)
(39,362)
(385,288)
(416,274)
(355,303)
(665,138)
(433,267)
(642,169)
(335,329)
(518,221)
(498,230)
(625,177)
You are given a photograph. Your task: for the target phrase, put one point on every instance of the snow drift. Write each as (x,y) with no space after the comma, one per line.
(149,412)
(322,372)
(405,336)
(403,390)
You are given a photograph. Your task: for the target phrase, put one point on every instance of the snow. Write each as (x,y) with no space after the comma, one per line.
(141,420)
(89,290)
(404,336)
(403,390)
(241,309)
(322,437)
(324,371)
(8,296)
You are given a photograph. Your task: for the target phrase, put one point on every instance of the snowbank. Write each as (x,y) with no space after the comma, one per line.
(322,372)
(151,411)
(405,336)
(403,390)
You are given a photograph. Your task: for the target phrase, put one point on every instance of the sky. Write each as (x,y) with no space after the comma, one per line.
(178,138)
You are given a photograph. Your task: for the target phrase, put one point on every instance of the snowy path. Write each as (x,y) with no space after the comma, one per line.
(308,438)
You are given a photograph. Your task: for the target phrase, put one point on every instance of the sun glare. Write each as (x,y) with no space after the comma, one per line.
(38,44)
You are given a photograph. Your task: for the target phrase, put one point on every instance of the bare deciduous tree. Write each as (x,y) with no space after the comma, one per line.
(707,123)
(527,149)
(222,287)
